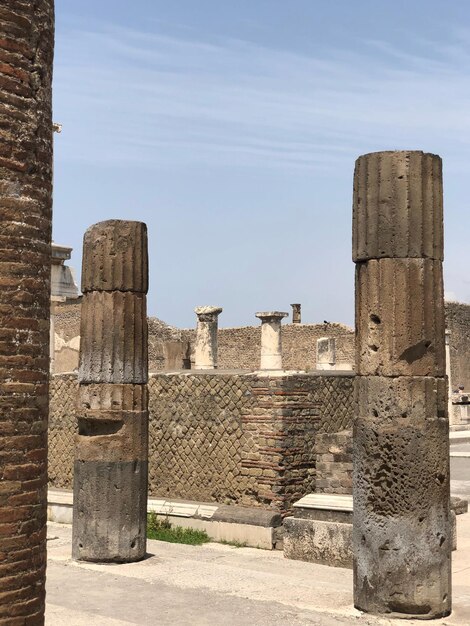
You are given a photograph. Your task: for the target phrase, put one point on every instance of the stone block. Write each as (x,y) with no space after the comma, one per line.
(115,257)
(401,469)
(402,516)
(114,338)
(328,543)
(397,206)
(403,398)
(400,318)
(111,528)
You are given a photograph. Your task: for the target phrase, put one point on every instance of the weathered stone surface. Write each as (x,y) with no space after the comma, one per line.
(205,349)
(114,338)
(328,543)
(400,318)
(402,530)
(403,398)
(271,344)
(115,257)
(110,470)
(26,51)
(402,533)
(397,206)
(257,431)
(111,528)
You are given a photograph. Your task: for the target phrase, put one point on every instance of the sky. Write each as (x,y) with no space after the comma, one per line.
(232,128)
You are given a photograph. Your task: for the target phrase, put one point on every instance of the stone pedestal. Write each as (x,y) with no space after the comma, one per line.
(110,471)
(205,349)
(320,530)
(271,344)
(402,523)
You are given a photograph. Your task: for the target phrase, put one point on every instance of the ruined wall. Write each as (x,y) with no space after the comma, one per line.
(239,348)
(334,462)
(458,322)
(233,438)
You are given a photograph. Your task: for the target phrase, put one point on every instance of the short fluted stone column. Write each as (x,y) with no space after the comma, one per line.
(271,343)
(110,471)
(205,349)
(401,523)
(296,313)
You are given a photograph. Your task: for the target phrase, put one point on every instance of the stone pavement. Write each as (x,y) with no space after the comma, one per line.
(217,583)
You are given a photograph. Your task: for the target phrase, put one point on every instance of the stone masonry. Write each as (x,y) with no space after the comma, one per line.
(26,49)
(110,470)
(401,521)
(205,349)
(233,438)
(334,462)
(271,339)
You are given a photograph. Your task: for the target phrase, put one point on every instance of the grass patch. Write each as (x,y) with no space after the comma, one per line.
(234,544)
(163,530)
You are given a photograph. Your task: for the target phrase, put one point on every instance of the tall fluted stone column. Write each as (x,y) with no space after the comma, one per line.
(26,49)
(205,349)
(296,313)
(271,343)
(110,471)
(402,534)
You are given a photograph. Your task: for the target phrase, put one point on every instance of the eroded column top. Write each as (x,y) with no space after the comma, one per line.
(208,313)
(115,257)
(271,316)
(397,206)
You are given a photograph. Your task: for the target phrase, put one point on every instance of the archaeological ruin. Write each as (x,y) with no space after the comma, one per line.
(401,521)
(111,450)
(26,46)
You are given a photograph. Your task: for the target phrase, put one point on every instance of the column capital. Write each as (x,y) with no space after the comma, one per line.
(208,313)
(271,316)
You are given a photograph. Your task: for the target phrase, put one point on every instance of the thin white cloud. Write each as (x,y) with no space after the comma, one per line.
(131,97)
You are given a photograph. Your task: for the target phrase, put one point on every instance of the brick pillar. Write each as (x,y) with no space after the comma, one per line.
(110,471)
(26,48)
(205,349)
(271,344)
(402,535)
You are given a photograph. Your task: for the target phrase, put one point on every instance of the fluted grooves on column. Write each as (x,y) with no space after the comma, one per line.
(401,526)
(397,209)
(114,336)
(400,330)
(110,482)
(115,257)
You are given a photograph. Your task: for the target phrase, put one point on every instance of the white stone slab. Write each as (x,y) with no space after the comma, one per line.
(328,501)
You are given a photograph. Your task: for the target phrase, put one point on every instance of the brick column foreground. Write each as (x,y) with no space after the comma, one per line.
(402,534)
(205,349)
(110,471)
(26,49)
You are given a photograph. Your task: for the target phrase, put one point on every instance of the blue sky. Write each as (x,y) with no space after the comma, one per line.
(231,129)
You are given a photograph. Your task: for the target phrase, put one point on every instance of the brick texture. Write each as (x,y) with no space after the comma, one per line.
(229,438)
(334,462)
(26,49)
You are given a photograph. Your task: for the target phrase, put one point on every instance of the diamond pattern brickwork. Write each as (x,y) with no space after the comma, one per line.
(243,439)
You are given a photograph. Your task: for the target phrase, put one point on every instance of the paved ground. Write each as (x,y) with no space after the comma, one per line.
(220,584)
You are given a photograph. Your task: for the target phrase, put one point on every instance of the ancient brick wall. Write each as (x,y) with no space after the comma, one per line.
(458,322)
(239,348)
(231,438)
(63,391)
(334,462)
